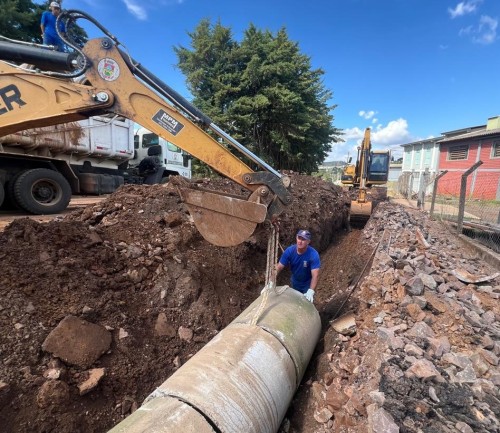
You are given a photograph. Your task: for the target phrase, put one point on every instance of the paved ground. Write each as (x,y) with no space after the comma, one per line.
(6,217)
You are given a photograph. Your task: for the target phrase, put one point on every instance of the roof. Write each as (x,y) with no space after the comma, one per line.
(474,134)
(432,140)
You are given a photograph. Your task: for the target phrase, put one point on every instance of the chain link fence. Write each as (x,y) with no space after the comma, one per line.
(468,200)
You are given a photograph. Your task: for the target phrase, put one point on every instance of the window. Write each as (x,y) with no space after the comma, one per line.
(456,153)
(495,151)
(173,147)
(149,140)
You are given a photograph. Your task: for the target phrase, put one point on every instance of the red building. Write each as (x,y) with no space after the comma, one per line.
(461,149)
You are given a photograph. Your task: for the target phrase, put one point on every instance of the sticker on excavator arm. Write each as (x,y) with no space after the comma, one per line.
(223,221)
(167,122)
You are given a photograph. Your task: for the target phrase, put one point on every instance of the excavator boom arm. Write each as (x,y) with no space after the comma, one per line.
(32,99)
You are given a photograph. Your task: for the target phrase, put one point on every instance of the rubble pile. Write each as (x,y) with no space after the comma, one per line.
(421,353)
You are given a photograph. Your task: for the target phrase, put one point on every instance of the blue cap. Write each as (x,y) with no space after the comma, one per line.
(306,234)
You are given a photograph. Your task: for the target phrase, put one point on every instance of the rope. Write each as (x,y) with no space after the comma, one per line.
(272,259)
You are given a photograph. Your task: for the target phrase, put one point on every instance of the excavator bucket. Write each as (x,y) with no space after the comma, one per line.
(360,212)
(223,220)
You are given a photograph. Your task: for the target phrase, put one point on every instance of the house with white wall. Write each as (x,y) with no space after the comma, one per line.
(418,157)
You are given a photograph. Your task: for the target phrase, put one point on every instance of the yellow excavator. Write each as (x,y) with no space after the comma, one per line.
(372,168)
(102,79)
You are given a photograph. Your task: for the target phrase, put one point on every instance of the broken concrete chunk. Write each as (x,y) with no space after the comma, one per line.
(345,325)
(467,277)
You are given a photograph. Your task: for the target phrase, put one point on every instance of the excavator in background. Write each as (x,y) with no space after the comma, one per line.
(377,162)
(102,79)
(372,168)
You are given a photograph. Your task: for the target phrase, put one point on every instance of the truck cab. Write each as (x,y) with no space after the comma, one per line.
(174,160)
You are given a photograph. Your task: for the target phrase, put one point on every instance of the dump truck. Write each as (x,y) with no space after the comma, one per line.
(101,153)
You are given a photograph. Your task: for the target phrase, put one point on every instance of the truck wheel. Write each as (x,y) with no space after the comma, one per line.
(42,191)
(10,202)
(2,194)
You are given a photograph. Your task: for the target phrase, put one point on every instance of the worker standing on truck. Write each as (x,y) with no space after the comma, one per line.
(304,262)
(48,26)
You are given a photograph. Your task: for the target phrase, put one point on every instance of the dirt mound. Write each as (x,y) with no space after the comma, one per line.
(136,266)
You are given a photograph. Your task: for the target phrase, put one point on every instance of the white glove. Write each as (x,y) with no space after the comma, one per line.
(309,295)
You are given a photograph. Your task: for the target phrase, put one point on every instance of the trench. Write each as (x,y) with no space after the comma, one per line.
(341,264)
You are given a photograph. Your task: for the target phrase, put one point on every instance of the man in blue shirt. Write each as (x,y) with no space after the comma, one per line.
(304,263)
(48,26)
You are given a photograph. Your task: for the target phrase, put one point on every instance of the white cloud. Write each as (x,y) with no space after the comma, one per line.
(484,33)
(487,30)
(464,8)
(367,114)
(382,137)
(138,11)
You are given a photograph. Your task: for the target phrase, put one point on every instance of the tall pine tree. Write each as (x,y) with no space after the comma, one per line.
(263,91)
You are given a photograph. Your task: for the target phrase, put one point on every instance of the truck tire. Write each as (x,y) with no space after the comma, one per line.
(42,191)
(10,202)
(2,194)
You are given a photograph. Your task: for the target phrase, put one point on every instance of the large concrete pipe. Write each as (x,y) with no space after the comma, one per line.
(243,380)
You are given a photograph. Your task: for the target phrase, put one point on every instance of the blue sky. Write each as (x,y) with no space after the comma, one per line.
(409,69)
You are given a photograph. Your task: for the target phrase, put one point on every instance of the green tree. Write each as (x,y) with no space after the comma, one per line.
(20,20)
(263,91)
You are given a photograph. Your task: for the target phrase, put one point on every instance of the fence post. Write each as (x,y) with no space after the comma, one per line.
(409,192)
(434,190)
(422,187)
(463,189)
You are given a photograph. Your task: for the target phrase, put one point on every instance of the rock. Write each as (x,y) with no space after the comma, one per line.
(381,421)
(423,369)
(463,427)
(415,286)
(415,312)
(377,397)
(435,304)
(421,330)
(163,328)
(487,342)
(460,361)
(52,393)
(433,395)
(488,356)
(428,281)
(93,379)
(335,398)
(467,375)
(185,334)
(322,415)
(439,346)
(345,325)
(413,350)
(77,341)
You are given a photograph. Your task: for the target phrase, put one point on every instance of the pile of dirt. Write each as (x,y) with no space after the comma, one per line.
(141,291)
